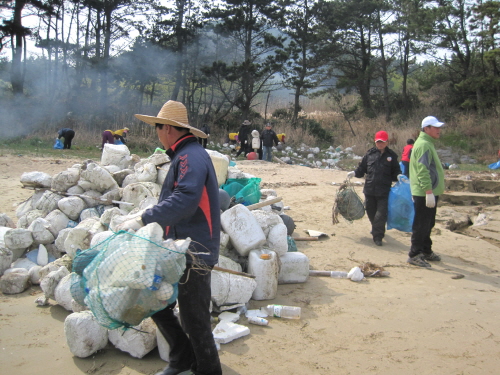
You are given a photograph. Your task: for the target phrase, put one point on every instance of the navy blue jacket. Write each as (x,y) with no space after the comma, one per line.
(189,200)
(269,136)
(380,169)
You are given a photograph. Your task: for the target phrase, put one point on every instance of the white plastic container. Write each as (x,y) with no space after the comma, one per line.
(281,311)
(258,321)
(294,268)
(263,264)
(243,229)
(221,163)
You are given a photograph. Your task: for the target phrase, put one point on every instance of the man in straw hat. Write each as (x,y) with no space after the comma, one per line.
(380,164)
(188,206)
(243,135)
(427,183)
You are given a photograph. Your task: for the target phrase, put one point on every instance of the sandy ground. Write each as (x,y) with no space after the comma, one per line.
(417,321)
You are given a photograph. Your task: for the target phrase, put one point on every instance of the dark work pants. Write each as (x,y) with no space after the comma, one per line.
(376,209)
(68,137)
(107,137)
(192,345)
(423,222)
(243,148)
(203,142)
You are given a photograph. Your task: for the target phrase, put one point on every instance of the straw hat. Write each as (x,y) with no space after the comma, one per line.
(172,113)
(246,122)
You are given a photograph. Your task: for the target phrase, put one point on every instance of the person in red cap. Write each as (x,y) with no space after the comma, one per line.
(381,167)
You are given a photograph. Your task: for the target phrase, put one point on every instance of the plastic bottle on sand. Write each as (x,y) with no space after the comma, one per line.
(257,320)
(280,311)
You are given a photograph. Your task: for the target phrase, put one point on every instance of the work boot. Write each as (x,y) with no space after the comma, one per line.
(174,371)
(433,257)
(419,261)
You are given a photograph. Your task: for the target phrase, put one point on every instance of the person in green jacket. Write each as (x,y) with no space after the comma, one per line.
(427,183)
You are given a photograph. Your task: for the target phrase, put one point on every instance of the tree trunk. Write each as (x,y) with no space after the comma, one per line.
(16,77)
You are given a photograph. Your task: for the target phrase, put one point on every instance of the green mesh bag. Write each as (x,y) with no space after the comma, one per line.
(348,204)
(132,276)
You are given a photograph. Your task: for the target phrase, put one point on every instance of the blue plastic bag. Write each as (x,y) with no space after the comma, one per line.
(494,165)
(58,145)
(401,210)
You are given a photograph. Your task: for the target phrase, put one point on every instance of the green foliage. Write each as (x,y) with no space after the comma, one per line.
(315,129)
(455,140)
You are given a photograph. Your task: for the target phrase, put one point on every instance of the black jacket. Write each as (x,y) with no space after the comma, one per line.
(268,136)
(189,200)
(380,170)
(244,133)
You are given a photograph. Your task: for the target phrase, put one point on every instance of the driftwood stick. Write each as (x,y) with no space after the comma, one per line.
(108,201)
(265,203)
(305,238)
(217,268)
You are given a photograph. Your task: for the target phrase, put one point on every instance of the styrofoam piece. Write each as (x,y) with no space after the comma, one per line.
(243,229)
(163,346)
(89,195)
(62,181)
(62,293)
(61,237)
(265,272)
(3,230)
(5,259)
(162,173)
(129,179)
(45,270)
(225,332)
(29,204)
(224,240)
(267,220)
(158,158)
(42,258)
(75,190)
(116,155)
(146,172)
(277,239)
(72,206)
(107,215)
(100,237)
(221,164)
(49,282)
(229,317)
(41,231)
(57,220)
(23,263)
(120,175)
(84,335)
(225,262)
(48,202)
(135,193)
(26,220)
(294,268)
(99,177)
(18,238)
(77,238)
(15,282)
(229,289)
(6,221)
(34,274)
(88,213)
(112,168)
(36,179)
(138,341)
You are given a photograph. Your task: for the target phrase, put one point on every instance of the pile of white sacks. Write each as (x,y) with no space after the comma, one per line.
(81,207)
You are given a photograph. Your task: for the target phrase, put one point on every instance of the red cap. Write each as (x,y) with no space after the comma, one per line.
(381,136)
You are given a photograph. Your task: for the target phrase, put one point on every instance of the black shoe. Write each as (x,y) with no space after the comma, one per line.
(433,257)
(378,242)
(419,261)
(173,371)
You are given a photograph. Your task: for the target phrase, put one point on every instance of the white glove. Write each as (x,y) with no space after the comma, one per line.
(134,224)
(402,177)
(430,200)
(279,143)
(350,174)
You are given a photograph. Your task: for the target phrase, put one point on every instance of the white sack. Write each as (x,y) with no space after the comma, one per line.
(137,342)
(62,181)
(84,335)
(72,206)
(36,179)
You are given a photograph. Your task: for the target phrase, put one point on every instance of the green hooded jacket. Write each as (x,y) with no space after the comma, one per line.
(426,170)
